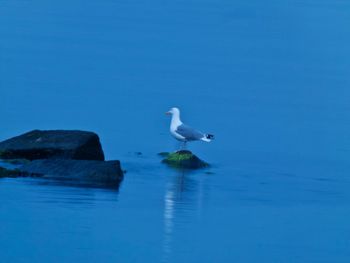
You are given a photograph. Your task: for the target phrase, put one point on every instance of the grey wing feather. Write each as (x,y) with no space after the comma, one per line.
(189,133)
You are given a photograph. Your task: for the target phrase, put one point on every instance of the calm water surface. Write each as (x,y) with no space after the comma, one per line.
(270,79)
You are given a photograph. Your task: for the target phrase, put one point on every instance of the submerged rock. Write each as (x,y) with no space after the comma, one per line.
(14,161)
(4,172)
(184,159)
(37,144)
(14,173)
(106,173)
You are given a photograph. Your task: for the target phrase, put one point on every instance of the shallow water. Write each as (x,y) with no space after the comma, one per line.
(270,80)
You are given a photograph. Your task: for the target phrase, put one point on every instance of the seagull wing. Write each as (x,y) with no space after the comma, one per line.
(189,133)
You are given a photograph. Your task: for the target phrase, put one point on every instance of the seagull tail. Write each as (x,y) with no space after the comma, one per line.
(208,137)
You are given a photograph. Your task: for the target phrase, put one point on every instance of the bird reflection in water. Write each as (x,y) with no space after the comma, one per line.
(183,197)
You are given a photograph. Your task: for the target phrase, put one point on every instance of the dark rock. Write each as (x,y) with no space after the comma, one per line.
(184,160)
(70,157)
(107,173)
(78,145)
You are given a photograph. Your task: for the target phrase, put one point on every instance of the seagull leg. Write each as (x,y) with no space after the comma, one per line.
(179,146)
(183,146)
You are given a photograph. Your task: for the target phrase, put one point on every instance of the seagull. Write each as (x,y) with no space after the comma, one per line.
(184,133)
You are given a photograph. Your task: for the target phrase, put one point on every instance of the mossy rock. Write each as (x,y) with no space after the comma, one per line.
(184,159)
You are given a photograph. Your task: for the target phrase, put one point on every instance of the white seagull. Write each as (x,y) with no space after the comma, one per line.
(183,132)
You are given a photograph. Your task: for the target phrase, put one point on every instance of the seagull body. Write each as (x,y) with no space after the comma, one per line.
(183,132)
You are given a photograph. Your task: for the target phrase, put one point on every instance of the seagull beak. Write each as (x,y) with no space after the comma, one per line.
(168,113)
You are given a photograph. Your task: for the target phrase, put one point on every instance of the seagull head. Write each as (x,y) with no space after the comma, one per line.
(173,111)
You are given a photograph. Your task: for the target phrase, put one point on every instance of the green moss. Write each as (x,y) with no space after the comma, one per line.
(177,157)
(184,159)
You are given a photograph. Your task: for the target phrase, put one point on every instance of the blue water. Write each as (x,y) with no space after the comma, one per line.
(269,78)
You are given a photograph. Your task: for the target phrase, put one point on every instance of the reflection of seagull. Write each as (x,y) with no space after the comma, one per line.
(183,132)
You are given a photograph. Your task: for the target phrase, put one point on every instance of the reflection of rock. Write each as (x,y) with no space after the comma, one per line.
(184,159)
(78,145)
